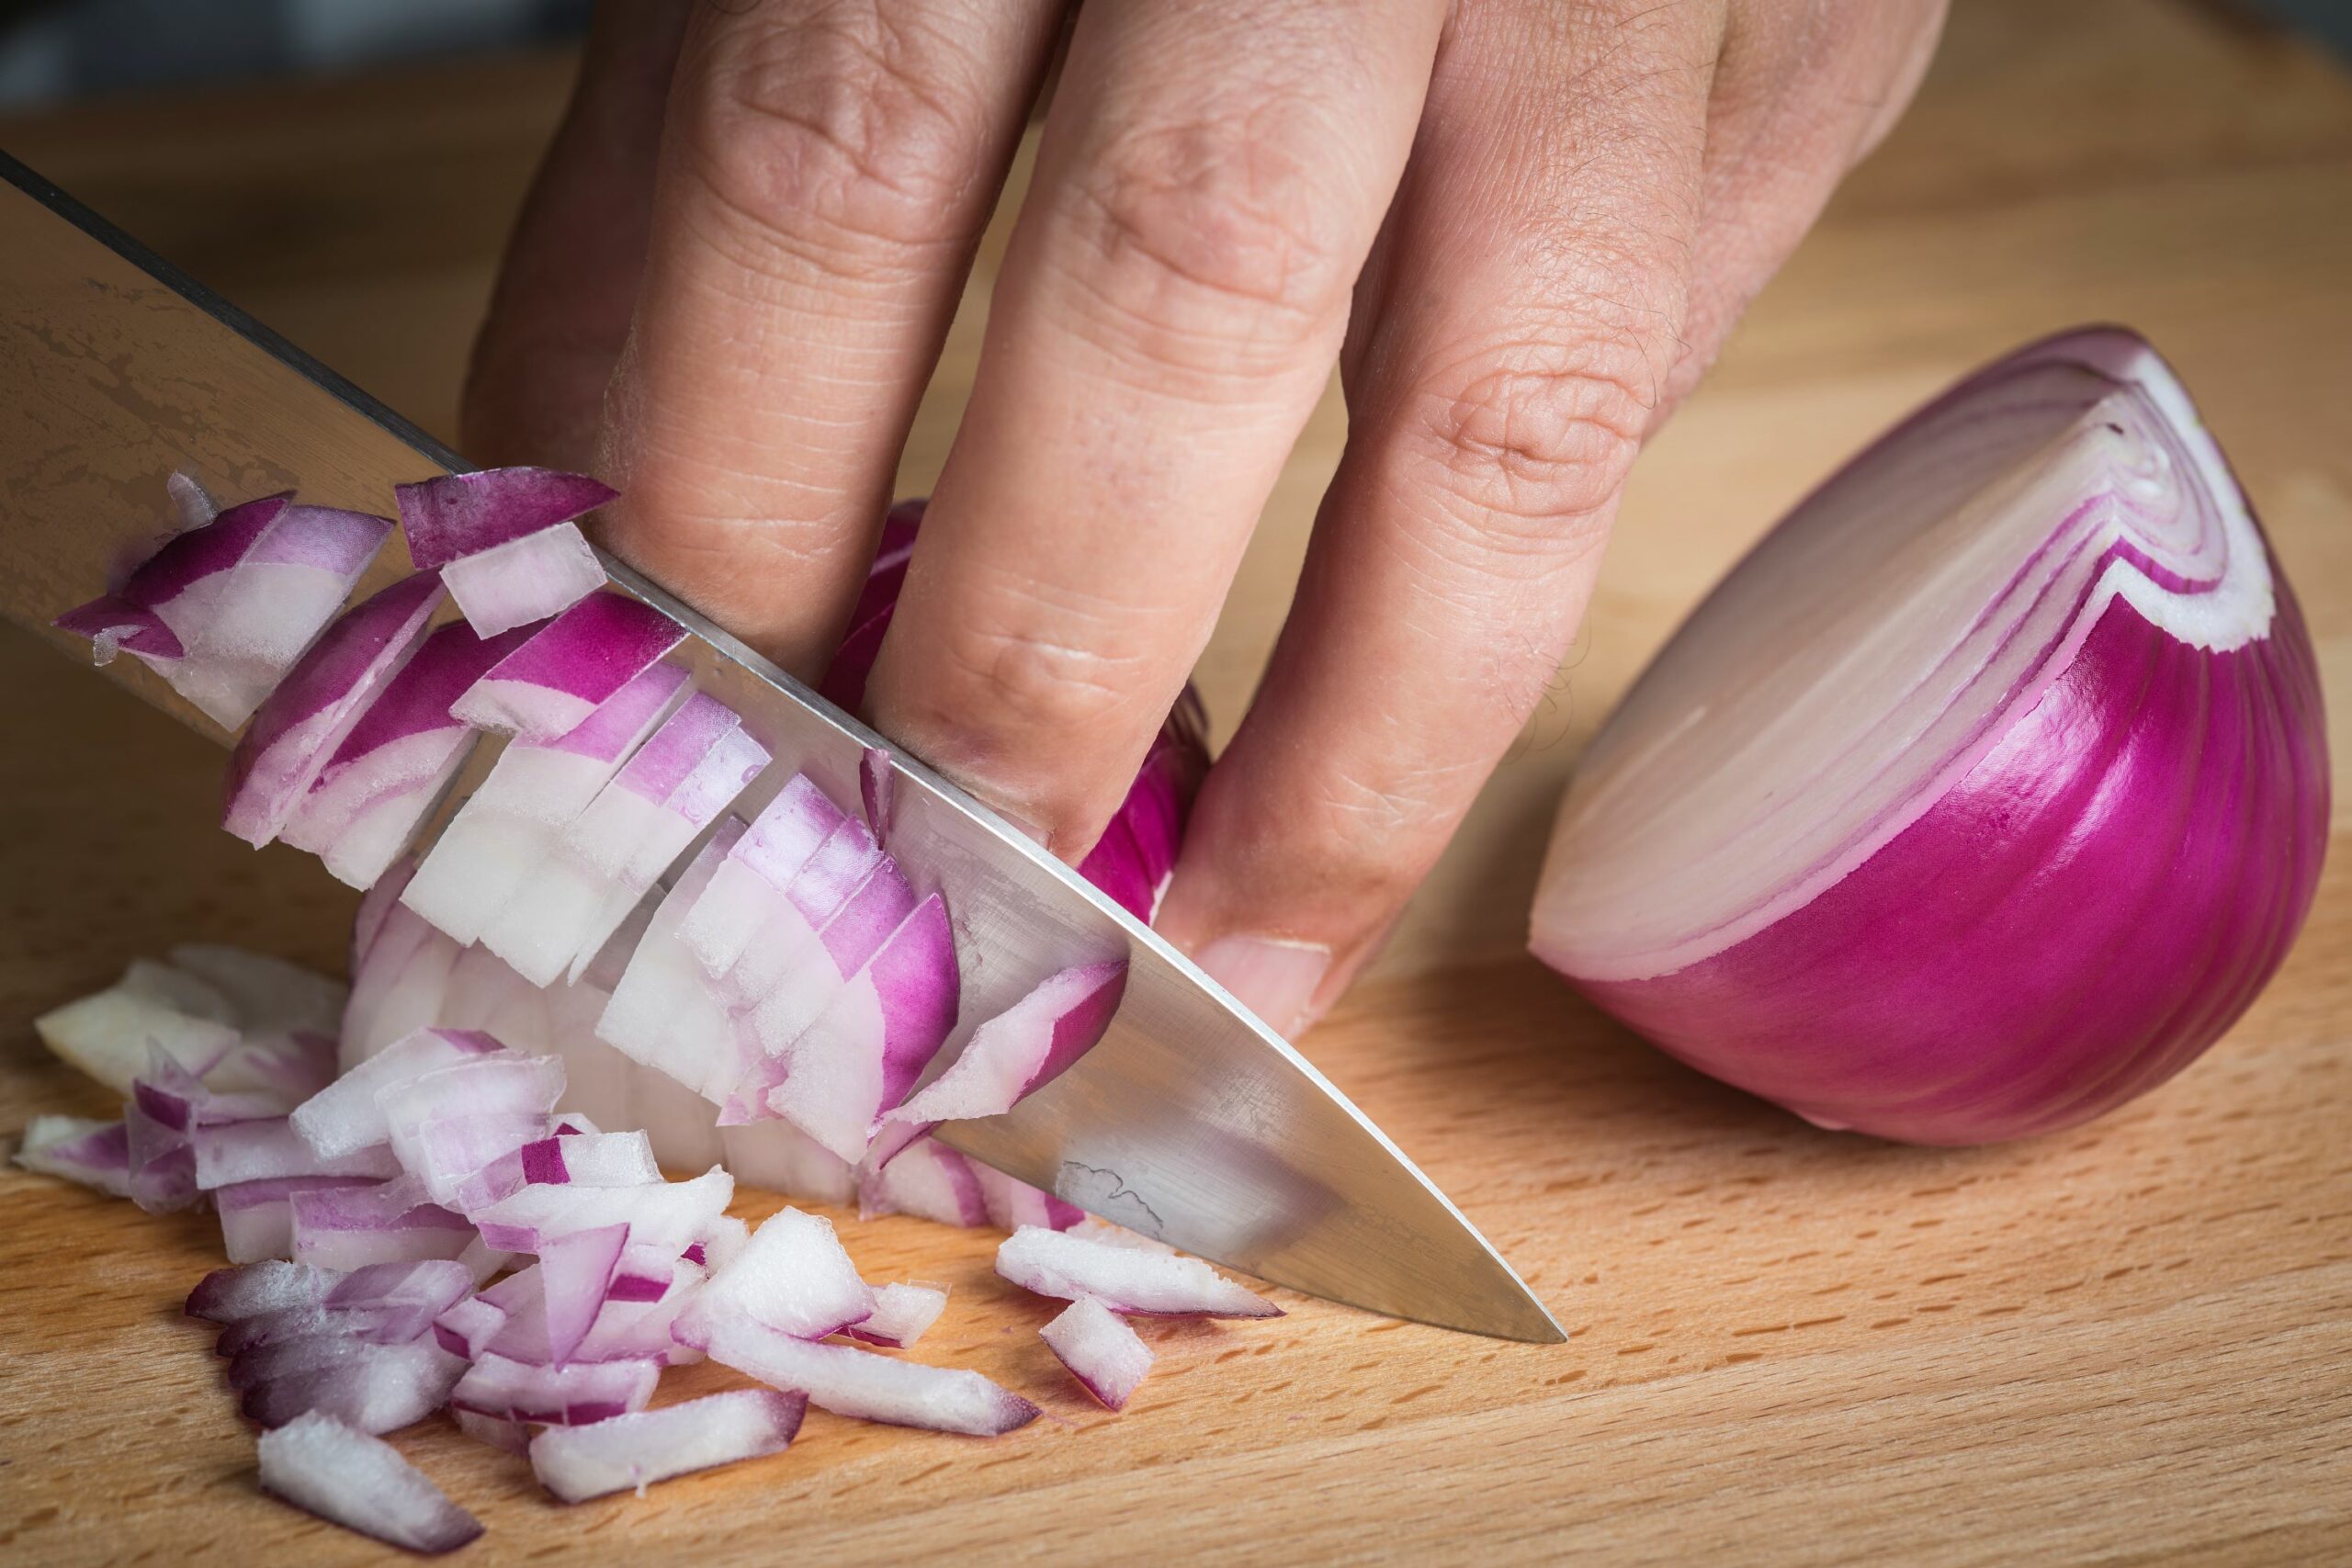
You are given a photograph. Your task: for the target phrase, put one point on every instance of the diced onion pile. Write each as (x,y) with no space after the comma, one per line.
(443,1187)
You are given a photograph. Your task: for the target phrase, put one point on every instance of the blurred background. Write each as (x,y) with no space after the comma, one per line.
(347,171)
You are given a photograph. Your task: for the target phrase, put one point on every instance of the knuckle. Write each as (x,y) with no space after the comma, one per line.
(1023,667)
(1540,436)
(1213,226)
(849,129)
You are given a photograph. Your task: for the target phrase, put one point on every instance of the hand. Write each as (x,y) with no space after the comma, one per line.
(1521,227)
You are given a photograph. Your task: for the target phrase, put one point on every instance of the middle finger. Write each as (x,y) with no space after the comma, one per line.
(1211,177)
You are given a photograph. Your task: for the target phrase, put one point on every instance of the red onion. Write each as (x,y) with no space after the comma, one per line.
(299,726)
(1024,1048)
(451,516)
(258,1217)
(222,608)
(1985,794)
(859,1383)
(1125,1279)
(524,579)
(793,1277)
(865,1052)
(786,985)
(1133,860)
(345,1117)
(571,1395)
(928,1180)
(662,1014)
(341,1227)
(665,1214)
(108,1034)
(96,1153)
(1013,1203)
(508,827)
(1107,1358)
(902,1313)
(629,1452)
(570,667)
(319,1465)
(375,1388)
(616,849)
(232,1295)
(390,771)
(574,1272)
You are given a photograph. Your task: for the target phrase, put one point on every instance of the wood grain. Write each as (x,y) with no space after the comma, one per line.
(2128,1344)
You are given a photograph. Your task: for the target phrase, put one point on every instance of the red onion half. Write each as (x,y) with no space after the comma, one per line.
(1985,794)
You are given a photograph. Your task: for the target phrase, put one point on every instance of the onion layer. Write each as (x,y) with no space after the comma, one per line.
(1985,794)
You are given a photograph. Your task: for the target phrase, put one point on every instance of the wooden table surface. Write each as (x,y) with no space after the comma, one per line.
(2130,1343)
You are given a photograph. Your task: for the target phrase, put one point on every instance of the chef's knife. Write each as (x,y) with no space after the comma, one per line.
(1191,1121)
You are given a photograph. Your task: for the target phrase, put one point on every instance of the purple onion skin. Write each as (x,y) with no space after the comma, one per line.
(1137,850)
(2074,922)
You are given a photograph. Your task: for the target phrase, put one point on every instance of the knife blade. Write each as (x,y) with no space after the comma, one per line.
(1191,1121)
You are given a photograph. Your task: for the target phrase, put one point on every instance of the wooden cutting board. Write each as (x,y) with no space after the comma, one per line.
(2129,1343)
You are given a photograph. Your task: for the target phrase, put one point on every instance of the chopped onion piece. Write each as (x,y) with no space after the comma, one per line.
(345,1116)
(1013,1203)
(496,842)
(630,1452)
(859,1383)
(467,1328)
(350,1227)
(393,767)
(1101,1352)
(232,1295)
(379,1389)
(618,847)
(269,1150)
(571,1395)
(927,1180)
(107,1036)
(592,1159)
(524,579)
(320,1465)
(258,1217)
(1125,1279)
(273,605)
(433,1284)
(660,1214)
(662,1014)
(793,992)
(502,1084)
(874,1040)
(575,1270)
(448,1154)
(795,1277)
(96,1153)
(299,726)
(903,1315)
(570,667)
(761,865)
(1025,1047)
(454,515)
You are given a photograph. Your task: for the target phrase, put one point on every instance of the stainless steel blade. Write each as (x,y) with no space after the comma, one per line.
(1189,1121)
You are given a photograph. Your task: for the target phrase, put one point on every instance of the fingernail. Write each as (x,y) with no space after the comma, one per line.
(1274,978)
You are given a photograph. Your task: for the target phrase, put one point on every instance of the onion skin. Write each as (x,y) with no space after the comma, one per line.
(2070,923)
